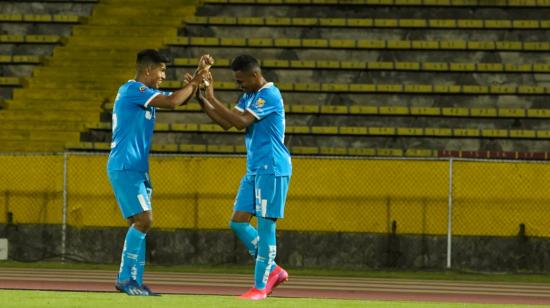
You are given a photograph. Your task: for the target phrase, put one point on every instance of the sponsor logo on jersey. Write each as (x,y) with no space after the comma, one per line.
(260,103)
(142,89)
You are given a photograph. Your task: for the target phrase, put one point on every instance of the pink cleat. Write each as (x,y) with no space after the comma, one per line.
(254,294)
(277,277)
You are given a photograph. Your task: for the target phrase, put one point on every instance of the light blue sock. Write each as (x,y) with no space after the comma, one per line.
(248,236)
(129,260)
(141,262)
(267,251)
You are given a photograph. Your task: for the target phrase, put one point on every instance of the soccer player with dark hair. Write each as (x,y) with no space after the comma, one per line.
(128,166)
(263,190)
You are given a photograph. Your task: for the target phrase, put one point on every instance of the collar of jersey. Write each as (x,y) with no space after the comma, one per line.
(267,85)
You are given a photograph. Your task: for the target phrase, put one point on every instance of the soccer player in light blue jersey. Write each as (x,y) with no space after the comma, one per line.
(263,190)
(128,166)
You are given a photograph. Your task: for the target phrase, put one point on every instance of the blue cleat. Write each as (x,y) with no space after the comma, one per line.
(132,288)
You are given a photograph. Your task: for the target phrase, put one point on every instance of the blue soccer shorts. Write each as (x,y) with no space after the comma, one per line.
(133,191)
(263,195)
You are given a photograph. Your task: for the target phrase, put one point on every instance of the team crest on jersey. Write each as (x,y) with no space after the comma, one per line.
(142,89)
(260,103)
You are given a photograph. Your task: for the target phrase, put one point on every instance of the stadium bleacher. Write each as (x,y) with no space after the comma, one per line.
(382,81)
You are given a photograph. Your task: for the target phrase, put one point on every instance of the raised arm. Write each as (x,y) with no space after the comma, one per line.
(218,112)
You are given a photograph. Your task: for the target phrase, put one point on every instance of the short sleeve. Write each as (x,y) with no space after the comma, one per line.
(264,105)
(241,104)
(141,95)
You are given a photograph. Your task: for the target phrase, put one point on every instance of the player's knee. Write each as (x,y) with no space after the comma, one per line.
(234,225)
(143,222)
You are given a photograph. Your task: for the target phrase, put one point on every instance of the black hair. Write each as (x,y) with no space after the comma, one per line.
(245,63)
(150,56)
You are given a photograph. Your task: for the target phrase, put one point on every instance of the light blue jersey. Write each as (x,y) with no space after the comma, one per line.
(264,139)
(133,123)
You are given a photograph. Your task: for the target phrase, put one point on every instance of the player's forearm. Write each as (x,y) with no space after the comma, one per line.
(227,115)
(182,96)
(212,108)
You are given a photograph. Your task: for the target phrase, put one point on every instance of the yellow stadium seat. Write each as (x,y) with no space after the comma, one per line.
(367,110)
(308,87)
(389,88)
(214,148)
(430,111)
(419,153)
(304,108)
(260,42)
(410,131)
(398,44)
(425,44)
(538,113)
(511,112)
(353,65)
(194,148)
(502,89)
(536,46)
(332,22)
(10,81)
(324,130)
(453,45)
(284,42)
(302,64)
(525,24)
(12,38)
(468,89)
(438,132)
(393,110)
(156,147)
(413,23)
(483,112)
(433,66)
(298,129)
(327,64)
(508,45)
(333,151)
(371,44)
(232,42)
(498,133)
(362,152)
(315,43)
(362,87)
(380,65)
(462,67)
(333,87)
(250,21)
(531,90)
(456,112)
(541,68)
(304,21)
(490,67)
(418,88)
(278,21)
(328,109)
(389,152)
(543,134)
(353,130)
(205,41)
(470,23)
(385,23)
(381,130)
(442,23)
(363,22)
(407,66)
(466,132)
(342,43)
(304,150)
(498,24)
(523,133)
